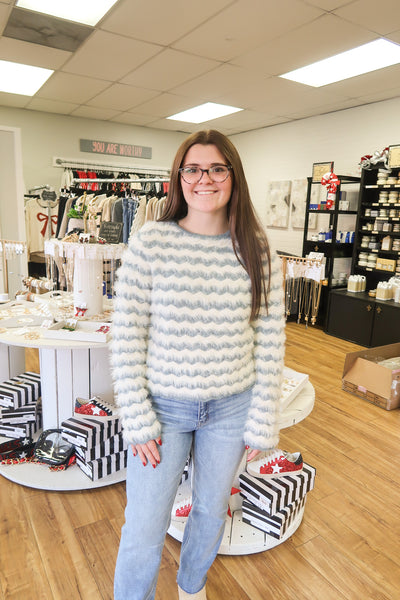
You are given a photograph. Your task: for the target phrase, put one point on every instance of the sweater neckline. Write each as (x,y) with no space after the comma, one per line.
(203,236)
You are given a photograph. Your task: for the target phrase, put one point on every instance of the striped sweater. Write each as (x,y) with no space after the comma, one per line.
(181,330)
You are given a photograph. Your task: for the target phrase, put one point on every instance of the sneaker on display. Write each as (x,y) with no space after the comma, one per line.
(181,509)
(93,406)
(275,464)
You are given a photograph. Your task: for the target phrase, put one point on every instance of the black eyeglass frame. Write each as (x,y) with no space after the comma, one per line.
(182,170)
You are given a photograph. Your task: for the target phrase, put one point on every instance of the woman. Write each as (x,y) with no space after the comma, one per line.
(197,353)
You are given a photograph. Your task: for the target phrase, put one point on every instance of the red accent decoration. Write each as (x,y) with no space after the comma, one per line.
(53,221)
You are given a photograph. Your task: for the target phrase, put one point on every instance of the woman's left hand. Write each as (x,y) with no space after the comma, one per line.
(251,454)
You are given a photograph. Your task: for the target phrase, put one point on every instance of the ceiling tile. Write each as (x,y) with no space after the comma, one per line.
(175,126)
(89,112)
(244,25)
(121,97)
(132,119)
(159,22)
(382,79)
(381,17)
(322,38)
(323,109)
(109,56)
(329,4)
(16,100)
(4,13)
(51,106)
(245,120)
(45,30)
(71,88)
(164,105)
(211,85)
(280,96)
(169,69)
(32,54)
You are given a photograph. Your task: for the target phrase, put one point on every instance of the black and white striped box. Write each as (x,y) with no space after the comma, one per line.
(22,415)
(19,431)
(275,525)
(101,467)
(272,495)
(112,445)
(88,432)
(20,390)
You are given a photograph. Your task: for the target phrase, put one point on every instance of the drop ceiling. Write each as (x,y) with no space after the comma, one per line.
(148,59)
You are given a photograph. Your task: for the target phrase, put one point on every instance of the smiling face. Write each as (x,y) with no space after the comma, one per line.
(206,198)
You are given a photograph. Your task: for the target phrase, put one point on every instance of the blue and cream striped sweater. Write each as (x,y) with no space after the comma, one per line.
(181,330)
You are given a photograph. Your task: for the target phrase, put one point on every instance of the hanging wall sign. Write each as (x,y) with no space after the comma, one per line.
(115,149)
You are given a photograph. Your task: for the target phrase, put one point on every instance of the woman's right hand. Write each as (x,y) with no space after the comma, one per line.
(148,452)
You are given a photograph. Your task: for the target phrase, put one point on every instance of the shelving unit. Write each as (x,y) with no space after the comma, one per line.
(333,249)
(357,317)
(375,214)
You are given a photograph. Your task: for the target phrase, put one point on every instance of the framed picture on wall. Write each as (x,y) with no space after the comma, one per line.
(298,203)
(278,201)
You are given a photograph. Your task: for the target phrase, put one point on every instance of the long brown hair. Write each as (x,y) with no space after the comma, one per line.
(249,240)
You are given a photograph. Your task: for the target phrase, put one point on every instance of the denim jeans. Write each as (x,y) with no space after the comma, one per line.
(214,431)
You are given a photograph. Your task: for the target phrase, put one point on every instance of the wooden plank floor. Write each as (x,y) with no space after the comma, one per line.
(64,545)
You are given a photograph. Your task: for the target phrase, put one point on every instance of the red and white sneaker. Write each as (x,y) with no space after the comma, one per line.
(181,509)
(92,407)
(275,464)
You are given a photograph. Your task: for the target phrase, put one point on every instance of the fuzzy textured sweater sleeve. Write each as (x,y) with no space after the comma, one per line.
(262,427)
(129,346)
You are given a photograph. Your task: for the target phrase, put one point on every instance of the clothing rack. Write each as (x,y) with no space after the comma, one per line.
(70,163)
(116,180)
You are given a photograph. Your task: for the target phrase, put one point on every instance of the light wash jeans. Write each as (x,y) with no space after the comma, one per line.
(214,430)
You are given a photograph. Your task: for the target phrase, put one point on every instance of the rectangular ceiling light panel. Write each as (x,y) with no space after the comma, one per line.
(88,12)
(204,112)
(364,59)
(16,78)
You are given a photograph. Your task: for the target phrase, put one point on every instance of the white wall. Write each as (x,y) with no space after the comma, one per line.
(47,135)
(287,152)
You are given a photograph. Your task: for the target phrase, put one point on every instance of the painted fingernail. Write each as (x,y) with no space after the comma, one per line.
(143,463)
(160,442)
(247,447)
(154,466)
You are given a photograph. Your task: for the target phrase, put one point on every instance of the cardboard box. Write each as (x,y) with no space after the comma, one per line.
(275,525)
(363,377)
(273,495)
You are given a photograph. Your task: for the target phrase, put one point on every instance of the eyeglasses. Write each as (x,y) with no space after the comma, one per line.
(217,173)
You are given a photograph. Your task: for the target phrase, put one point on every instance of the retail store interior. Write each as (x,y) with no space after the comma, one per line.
(322,164)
